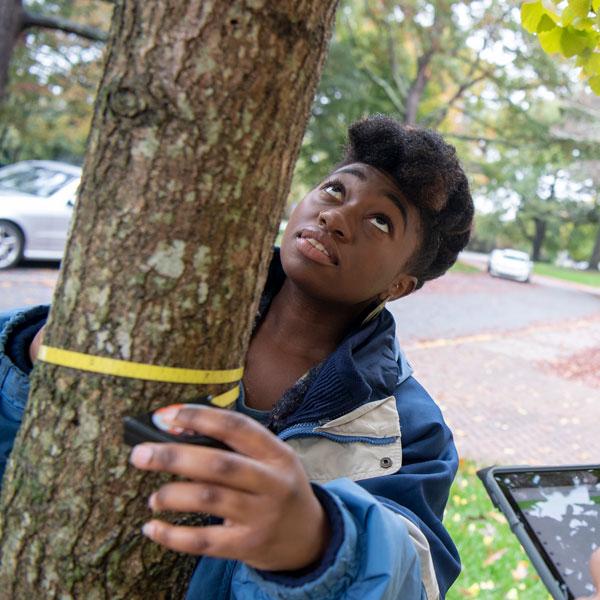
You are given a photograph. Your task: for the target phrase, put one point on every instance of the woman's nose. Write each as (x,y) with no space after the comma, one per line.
(336,223)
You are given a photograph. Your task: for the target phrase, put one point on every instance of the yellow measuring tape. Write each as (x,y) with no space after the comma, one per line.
(133,370)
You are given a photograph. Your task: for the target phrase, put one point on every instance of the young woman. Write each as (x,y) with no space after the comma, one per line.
(342,461)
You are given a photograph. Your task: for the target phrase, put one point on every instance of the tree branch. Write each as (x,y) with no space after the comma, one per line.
(387,88)
(379,81)
(417,87)
(396,78)
(434,120)
(52,22)
(380,23)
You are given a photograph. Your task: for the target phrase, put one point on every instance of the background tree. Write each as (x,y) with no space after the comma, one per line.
(465,68)
(15,19)
(550,191)
(582,123)
(198,121)
(53,80)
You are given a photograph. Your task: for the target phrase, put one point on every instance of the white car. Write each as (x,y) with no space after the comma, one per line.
(511,264)
(36,204)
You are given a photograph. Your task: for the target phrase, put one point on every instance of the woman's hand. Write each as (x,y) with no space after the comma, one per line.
(272,519)
(595,571)
(34,347)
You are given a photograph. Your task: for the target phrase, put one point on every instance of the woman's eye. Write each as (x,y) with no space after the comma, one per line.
(381,223)
(335,190)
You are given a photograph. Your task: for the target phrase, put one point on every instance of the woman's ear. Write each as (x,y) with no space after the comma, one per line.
(404,285)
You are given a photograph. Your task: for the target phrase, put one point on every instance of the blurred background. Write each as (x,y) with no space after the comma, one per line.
(508,342)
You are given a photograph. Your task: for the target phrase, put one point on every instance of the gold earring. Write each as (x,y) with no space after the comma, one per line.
(375,312)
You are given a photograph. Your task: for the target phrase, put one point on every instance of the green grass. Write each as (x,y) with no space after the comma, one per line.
(585,277)
(460,267)
(495,566)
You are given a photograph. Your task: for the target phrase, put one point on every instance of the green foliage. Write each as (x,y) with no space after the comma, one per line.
(492,231)
(408,60)
(448,60)
(569,28)
(495,567)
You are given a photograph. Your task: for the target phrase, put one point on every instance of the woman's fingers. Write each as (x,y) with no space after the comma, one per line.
(595,572)
(201,463)
(238,431)
(34,347)
(203,497)
(215,540)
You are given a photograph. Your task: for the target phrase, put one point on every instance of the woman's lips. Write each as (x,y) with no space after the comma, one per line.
(314,250)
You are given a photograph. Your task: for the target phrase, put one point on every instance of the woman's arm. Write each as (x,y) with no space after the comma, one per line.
(272,519)
(274,522)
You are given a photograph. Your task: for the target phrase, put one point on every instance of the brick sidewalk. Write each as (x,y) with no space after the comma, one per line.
(510,396)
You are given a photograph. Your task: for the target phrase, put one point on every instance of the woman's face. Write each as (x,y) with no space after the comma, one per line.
(350,238)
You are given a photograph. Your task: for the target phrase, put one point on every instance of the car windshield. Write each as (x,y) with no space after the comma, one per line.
(516,257)
(37,181)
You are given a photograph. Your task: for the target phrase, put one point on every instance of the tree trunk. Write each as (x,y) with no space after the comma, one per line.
(197,125)
(538,238)
(11,18)
(417,87)
(594,261)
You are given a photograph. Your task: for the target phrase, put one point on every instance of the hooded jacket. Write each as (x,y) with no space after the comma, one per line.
(375,447)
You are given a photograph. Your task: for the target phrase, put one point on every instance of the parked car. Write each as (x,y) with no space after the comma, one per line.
(36,203)
(511,264)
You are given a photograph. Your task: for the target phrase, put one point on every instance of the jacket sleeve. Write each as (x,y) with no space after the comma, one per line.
(376,559)
(393,543)
(17,329)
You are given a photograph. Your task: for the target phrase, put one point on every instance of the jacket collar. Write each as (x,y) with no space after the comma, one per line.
(367,365)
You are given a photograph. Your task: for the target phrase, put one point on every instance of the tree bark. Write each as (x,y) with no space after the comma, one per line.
(197,125)
(11,17)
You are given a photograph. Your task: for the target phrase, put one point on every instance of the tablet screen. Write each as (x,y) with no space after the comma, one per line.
(562,509)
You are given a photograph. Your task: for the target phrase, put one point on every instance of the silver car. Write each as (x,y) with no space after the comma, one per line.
(36,204)
(511,264)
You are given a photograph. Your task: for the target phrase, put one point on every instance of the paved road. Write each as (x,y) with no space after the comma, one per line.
(515,367)
(31,284)
(466,304)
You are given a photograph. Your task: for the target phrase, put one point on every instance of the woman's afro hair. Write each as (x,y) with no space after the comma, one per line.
(427,172)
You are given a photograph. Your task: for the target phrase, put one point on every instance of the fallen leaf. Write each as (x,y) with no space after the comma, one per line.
(521,571)
(471,591)
(495,556)
(498,517)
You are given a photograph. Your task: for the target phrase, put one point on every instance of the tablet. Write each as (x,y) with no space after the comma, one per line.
(555,513)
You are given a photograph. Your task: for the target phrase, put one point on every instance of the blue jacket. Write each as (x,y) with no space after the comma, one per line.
(379,455)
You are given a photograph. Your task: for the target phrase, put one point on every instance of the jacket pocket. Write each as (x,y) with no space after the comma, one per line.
(362,444)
